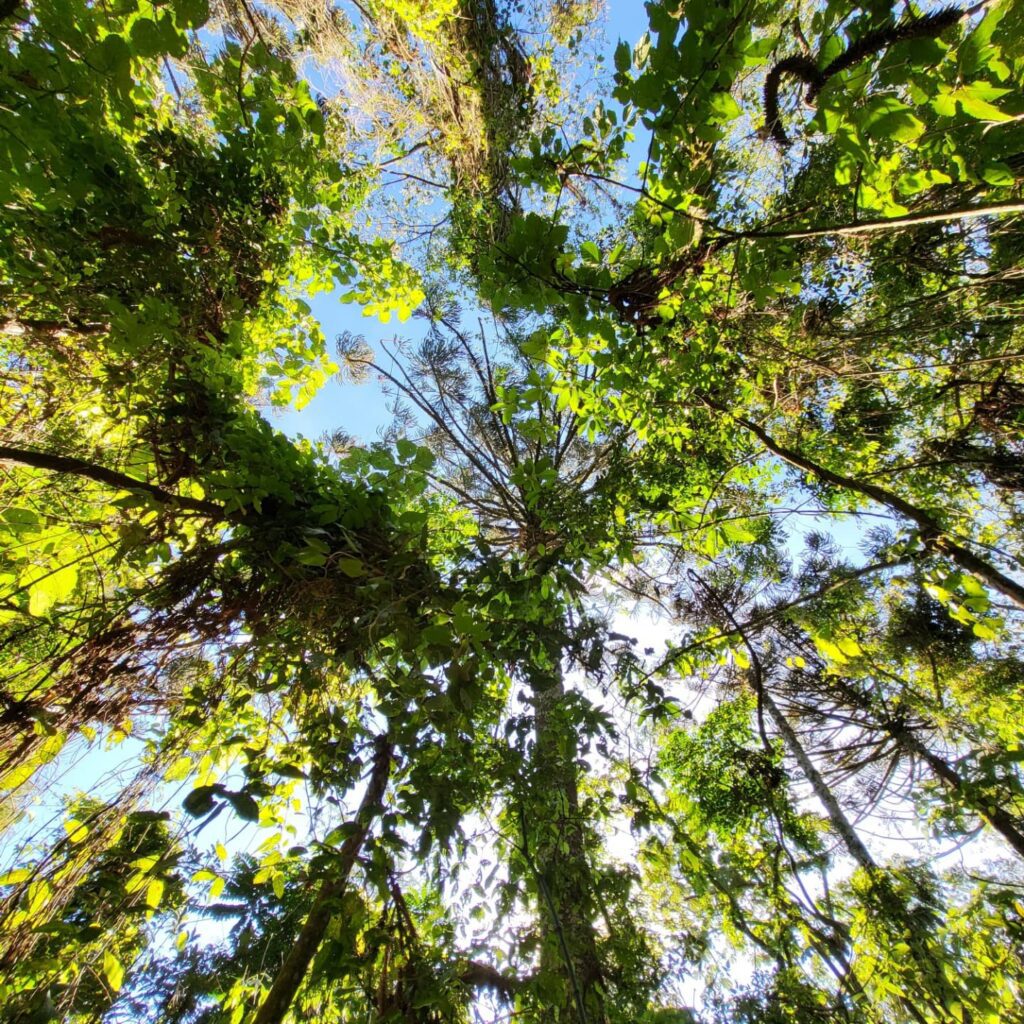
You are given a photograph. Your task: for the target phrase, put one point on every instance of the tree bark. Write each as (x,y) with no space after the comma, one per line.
(920,949)
(480,975)
(296,965)
(857,850)
(569,946)
(867,227)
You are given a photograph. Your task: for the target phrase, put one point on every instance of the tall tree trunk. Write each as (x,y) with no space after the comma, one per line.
(296,965)
(920,947)
(845,830)
(856,848)
(554,838)
(928,962)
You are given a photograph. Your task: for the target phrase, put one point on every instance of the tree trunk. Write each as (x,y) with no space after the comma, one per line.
(554,835)
(853,843)
(921,950)
(296,965)
(856,848)
(111,477)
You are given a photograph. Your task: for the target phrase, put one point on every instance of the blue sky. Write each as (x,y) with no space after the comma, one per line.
(361,410)
(358,409)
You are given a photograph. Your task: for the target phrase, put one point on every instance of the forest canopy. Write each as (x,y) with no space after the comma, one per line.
(660,662)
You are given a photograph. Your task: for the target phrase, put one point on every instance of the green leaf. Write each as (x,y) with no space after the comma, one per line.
(623,57)
(112,55)
(998,174)
(191,13)
(976,98)
(245,806)
(51,589)
(77,831)
(921,180)
(406,449)
(642,50)
(201,800)
(724,107)
(940,594)
(735,532)
(898,125)
(888,117)
(20,517)
(351,567)
(758,49)
(179,769)
(833,652)
(147,38)
(154,893)
(113,971)
(437,634)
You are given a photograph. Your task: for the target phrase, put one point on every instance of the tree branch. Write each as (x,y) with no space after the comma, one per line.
(866,227)
(934,537)
(103,475)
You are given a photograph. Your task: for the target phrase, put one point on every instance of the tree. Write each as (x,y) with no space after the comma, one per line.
(85,920)
(514,457)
